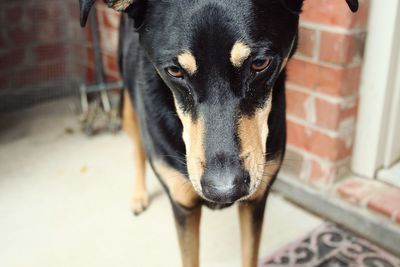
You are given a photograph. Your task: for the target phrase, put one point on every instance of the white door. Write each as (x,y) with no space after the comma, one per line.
(377,143)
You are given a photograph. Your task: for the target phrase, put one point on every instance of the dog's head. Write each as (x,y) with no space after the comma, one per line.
(220,60)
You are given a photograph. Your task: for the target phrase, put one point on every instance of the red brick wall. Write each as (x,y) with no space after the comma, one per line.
(39,43)
(322,88)
(109,23)
(322,91)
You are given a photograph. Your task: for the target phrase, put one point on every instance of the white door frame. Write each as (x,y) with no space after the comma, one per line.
(379,100)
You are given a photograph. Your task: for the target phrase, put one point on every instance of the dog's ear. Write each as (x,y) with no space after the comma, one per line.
(353,4)
(86,5)
(293,5)
(296,5)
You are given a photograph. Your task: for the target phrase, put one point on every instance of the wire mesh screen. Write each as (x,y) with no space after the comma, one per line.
(42,51)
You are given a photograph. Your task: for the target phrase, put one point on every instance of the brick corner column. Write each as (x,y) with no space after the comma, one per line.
(322,91)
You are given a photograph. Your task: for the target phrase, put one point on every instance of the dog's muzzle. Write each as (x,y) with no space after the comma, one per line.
(224,180)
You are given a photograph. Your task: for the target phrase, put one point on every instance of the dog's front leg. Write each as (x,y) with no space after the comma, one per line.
(251,221)
(187,223)
(131,126)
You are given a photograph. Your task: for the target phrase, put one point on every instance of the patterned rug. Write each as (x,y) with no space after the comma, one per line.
(331,246)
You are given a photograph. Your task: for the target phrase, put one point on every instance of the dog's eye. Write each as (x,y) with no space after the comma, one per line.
(175,71)
(260,64)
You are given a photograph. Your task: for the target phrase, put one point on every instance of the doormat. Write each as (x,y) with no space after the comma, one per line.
(331,246)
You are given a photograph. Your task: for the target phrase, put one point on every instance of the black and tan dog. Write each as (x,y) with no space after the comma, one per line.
(206,79)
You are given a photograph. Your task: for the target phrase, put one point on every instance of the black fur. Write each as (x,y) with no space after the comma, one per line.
(209,29)
(154,32)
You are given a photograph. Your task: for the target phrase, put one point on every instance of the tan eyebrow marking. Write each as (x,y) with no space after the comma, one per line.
(121,5)
(188,62)
(239,53)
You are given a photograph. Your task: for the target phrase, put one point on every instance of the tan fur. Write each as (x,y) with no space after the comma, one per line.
(180,188)
(284,63)
(193,137)
(188,237)
(182,192)
(286,59)
(253,133)
(269,170)
(188,62)
(250,228)
(239,53)
(128,115)
(250,233)
(130,124)
(121,5)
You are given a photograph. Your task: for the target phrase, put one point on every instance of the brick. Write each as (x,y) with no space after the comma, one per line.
(73,11)
(327,114)
(3,42)
(20,36)
(50,32)
(355,190)
(347,82)
(90,57)
(90,76)
(111,63)
(342,168)
(78,71)
(89,37)
(46,12)
(39,74)
(74,32)
(4,81)
(334,12)
(14,13)
(318,174)
(386,201)
(334,81)
(338,48)
(109,18)
(11,59)
(79,53)
(316,142)
(112,77)
(300,72)
(109,41)
(330,115)
(328,147)
(37,31)
(306,44)
(50,52)
(293,163)
(296,102)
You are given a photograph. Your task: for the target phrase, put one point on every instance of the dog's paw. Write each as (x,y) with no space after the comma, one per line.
(140,202)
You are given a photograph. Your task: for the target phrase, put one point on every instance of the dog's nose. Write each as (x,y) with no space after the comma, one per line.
(225,193)
(224,180)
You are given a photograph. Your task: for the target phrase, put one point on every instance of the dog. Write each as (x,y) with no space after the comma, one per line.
(205,104)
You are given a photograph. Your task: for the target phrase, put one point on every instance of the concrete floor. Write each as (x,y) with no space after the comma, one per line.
(65,201)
